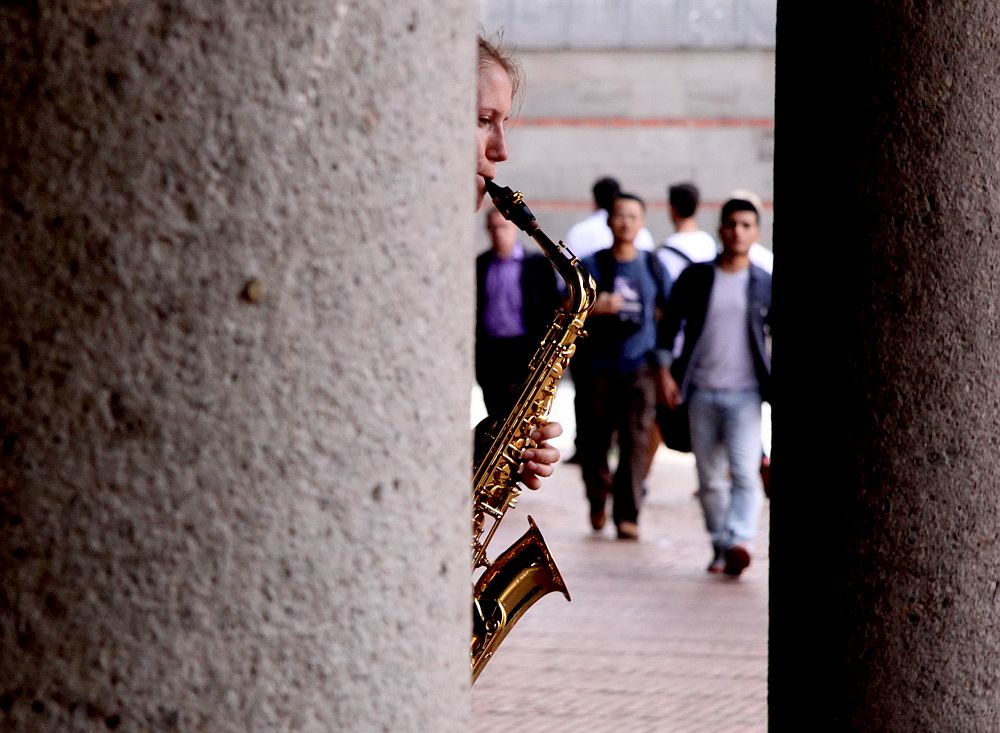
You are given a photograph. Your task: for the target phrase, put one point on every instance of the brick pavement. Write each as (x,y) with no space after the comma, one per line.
(650,643)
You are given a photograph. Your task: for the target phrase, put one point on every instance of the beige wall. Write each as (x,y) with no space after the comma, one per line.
(649,118)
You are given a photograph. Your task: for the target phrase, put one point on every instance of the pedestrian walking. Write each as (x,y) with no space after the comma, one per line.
(721,375)
(623,364)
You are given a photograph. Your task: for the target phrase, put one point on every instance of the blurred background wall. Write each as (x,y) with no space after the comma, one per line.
(649,91)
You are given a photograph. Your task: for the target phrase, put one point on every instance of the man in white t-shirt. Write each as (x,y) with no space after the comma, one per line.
(721,376)
(689,243)
(593,233)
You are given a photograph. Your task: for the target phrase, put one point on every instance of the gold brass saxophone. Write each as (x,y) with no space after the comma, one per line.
(525,571)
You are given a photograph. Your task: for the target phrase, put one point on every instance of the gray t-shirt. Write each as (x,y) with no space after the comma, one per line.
(724,360)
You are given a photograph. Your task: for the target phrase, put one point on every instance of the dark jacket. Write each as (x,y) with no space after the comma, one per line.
(688,308)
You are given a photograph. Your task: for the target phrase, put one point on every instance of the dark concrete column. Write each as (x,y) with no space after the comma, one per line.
(235,365)
(885,511)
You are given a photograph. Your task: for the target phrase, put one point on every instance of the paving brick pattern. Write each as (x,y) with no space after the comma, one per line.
(650,643)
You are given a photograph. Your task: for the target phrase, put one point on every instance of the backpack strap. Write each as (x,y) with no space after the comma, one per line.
(683,255)
(605,271)
(656,270)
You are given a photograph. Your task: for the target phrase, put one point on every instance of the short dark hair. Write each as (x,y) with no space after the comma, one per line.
(733,205)
(605,190)
(684,198)
(629,197)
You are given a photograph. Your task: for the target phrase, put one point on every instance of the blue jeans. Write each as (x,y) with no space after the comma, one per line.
(726,442)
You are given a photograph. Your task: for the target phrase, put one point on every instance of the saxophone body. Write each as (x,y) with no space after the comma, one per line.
(525,571)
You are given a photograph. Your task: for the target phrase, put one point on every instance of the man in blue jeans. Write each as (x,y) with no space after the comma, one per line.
(722,374)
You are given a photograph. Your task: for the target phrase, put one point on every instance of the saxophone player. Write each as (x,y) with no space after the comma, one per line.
(512,449)
(498,80)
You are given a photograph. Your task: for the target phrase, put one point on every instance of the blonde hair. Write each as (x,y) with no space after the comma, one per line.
(492,52)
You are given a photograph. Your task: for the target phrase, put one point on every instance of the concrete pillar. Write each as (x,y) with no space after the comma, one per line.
(885,511)
(236,365)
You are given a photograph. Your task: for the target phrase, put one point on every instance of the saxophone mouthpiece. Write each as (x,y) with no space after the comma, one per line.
(511,205)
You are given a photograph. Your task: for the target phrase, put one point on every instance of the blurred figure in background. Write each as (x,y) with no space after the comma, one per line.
(584,239)
(516,296)
(631,287)
(593,233)
(759,254)
(764,259)
(722,375)
(689,243)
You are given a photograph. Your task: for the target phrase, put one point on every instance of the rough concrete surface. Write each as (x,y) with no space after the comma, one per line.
(234,494)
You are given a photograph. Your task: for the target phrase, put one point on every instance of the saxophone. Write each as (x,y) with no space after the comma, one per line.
(525,571)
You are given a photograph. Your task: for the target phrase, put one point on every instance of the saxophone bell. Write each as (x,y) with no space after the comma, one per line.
(507,588)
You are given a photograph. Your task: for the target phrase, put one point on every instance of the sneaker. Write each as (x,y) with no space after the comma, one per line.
(628,531)
(718,564)
(737,560)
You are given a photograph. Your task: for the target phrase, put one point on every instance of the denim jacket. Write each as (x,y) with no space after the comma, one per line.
(687,310)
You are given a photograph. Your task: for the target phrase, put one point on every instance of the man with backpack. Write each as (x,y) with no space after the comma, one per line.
(584,239)
(624,365)
(688,243)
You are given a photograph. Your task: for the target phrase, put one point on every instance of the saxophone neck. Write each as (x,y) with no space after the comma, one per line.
(511,205)
(580,284)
